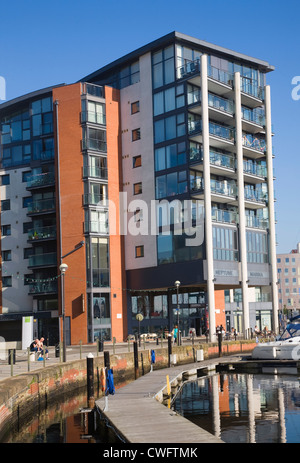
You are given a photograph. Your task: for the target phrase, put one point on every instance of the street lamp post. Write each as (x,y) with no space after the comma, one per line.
(177,284)
(63,268)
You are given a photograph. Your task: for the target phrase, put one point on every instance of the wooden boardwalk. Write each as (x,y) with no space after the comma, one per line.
(139,417)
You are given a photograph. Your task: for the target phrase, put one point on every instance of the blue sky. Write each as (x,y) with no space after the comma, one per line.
(47,43)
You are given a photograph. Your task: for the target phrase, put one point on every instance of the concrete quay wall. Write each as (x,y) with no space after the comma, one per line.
(29,392)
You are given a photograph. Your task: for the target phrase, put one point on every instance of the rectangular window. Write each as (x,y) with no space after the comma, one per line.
(6,230)
(6,282)
(137,188)
(5,180)
(5,205)
(137,161)
(6,256)
(26,201)
(135,107)
(136,134)
(139,251)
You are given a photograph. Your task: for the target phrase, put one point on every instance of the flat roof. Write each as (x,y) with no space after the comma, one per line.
(185,39)
(27,96)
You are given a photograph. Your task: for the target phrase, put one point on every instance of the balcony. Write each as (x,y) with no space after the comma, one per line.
(49,287)
(95,172)
(251,93)
(93,117)
(189,69)
(256,222)
(90,199)
(254,172)
(218,161)
(221,190)
(94,144)
(94,90)
(254,147)
(41,206)
(42,233)
(223,216)
(43,260)
(41,180)
(253,120)
(257,198)
(221,109)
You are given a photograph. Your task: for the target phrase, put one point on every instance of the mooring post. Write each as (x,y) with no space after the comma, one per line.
(90,380)
(28,358)
(106,359)
(169,350)
(220,343)
(136,359)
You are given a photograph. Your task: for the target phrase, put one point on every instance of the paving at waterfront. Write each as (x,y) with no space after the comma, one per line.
(72,353)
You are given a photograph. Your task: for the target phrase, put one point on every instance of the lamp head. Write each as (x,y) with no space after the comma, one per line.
(63,268)
(177,283)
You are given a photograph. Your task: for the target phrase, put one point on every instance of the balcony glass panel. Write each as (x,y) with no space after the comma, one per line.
(222,160)
(41,233)
(196,183)
(256,115)
(221,131)
(42,205)
(100,277)
(42,259)
(189,68)
(223,216)
(255,143)
(196,153)
(220,103)
(253,168)
(252,88)
(43,288)
(219,75)
(256,222)
(41,180)
(97,172)
(94,199)
(255,195)
(94,144)
(95,90)
(223,187)
(195,126)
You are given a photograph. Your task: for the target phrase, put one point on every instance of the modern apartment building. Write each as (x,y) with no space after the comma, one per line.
(288,268)
(162,163)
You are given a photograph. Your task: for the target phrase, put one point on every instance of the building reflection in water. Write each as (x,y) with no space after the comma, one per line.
(244,407)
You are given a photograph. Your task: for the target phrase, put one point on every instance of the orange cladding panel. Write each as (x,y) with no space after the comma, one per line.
(116,248)
(220,308)
(69,166)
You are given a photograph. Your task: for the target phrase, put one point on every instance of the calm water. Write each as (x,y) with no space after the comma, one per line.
(63,422)
(244,408)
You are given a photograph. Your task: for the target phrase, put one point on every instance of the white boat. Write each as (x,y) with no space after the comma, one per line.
(286,346)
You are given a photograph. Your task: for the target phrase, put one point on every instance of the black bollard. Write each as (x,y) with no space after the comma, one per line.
(136,359)
(90,380)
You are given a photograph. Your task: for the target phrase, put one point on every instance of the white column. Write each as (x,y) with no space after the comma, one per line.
(272,235)
(241,203)
(207,200)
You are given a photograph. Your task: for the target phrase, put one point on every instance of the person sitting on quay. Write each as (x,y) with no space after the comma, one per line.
(41,346)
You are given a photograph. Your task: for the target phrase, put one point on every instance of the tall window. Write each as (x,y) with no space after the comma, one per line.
(163,67)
